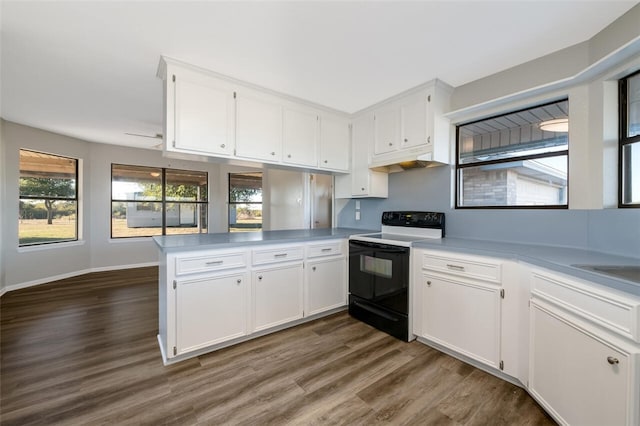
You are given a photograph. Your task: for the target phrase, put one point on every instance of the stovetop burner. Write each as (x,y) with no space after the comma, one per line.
(403,228)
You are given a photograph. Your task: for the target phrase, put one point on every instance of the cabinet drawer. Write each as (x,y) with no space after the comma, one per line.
(467,266)
(330,248)
(277,254)
(206,262)
(618,313)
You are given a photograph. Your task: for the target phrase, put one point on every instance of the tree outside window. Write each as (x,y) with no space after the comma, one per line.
(48,207)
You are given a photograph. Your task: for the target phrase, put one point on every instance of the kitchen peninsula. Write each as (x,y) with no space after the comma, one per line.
(216,290)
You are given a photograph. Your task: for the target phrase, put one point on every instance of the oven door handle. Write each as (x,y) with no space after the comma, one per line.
(380,246)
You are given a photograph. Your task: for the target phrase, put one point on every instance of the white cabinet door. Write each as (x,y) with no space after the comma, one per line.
(277,295)
(386,129)
(209,311)
(326,285)
(463,316)
(581,379)
(300,137)
(364,181)
(203,116)
(413,121)
(258,128)
(335,143)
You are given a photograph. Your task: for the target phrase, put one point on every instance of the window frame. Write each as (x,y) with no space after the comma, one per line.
(623,139)
(261,203)
(76,199)
(459,166)
(163,201)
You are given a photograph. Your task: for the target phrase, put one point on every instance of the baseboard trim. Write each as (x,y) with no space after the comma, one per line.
(73,274)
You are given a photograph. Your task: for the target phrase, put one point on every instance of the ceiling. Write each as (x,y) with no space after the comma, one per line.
(87,69)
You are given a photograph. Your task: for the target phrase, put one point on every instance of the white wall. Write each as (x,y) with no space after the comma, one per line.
(31,264)
(558,66)
(2,209)
(95,250)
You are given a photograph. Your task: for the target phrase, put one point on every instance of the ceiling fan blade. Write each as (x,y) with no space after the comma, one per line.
(156,136)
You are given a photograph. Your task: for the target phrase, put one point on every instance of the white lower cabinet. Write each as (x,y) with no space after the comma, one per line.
(458,303)
(210,310)
(462,315)
(326,285)
(573,344)
(580,378)
(276,295)
(209,299)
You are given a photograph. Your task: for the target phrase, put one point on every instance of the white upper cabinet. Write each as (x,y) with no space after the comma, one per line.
(385,124)
(199,114)
(300,137)
(412,126)
(413,120)
(258,127)
(335,143)
(362,182)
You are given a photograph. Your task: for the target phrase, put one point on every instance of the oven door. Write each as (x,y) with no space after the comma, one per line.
(379,273)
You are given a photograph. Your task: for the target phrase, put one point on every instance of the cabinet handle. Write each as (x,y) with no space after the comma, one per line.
(273,153)
(214,262)
(325,161)
(280,255)
(361,189)
(428,283)
(238,280)
(313,268)
(406,140)
(288,155)
(428,139)
(611,360)
(259,277)
(390,143)
(222,145)
(327,249)
(456,267)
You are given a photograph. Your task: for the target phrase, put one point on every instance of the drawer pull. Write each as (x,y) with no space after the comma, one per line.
(611,360)
(455,267)
(279,255)
(428,283)
(238,281)
(313,268)
(327,249)
(214,262)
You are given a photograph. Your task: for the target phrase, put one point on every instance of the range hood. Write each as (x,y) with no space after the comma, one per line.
(399,161)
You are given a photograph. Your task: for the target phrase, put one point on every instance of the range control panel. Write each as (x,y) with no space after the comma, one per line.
(413,219)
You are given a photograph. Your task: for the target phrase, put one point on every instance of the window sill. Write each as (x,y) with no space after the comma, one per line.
(50,246)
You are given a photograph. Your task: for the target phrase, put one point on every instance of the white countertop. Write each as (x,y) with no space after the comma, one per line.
(173,243)
(559,259)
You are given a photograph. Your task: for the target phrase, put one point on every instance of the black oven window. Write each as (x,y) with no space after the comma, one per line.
(376,266)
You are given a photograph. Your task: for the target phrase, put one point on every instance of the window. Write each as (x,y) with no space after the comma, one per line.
(515,160)
(245,202)
(147,201)
(629,152)
(48,211)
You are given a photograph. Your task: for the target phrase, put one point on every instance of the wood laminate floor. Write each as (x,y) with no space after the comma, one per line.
(84,351)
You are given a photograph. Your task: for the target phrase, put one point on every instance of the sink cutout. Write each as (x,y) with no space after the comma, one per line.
(626,272)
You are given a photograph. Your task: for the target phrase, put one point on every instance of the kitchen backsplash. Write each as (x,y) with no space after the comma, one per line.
(615,231)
